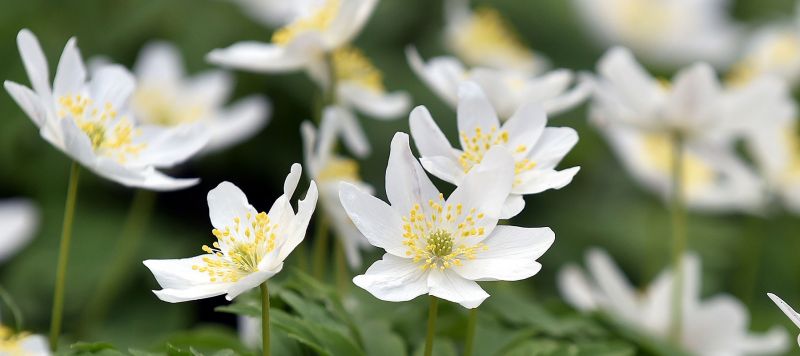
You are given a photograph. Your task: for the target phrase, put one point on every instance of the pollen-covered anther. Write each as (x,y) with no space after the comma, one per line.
(477,145)
(350,64)
(319,20)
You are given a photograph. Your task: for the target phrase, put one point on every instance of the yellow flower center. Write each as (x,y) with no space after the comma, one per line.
(11,343)
(239,248)
(155,107)
(318,20)
(793,148)
(350,64)
(487,31)
(340,170)
(644,19)
(110,135)
(437,240)
(659,150)
(477,145)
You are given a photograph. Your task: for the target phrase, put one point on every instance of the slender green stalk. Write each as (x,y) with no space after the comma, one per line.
(472,321)
(265,319)
(342,277)
(63,255)
(13,307)
(330,91)
(321,238)
(432,310)
(678,237)
(123,258)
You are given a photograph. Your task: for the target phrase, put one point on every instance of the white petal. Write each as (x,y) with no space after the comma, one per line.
(406,181)
(694,91)
(612,283)
(181,283)
(71,73)
(786,309)
(227,202)
(353,134)
(394,279)
(568,100)
(486,186)
(443,168)
(428,137)
(112,85)
(35,345)
(243,120)
(250,281)
(77,144)
(539,181)
(474,110)
(441,74)
(145,178)
(553,145)
(267,57)
(511,254)
(576,289)
(628,78)
(168,146)
(351,16)
(512,206)
(376,104)
(35,62)
(379,223)
(525,127)
(775,340)
(28,101)
(160,62)
(305,209)
(19,219)
(448,285)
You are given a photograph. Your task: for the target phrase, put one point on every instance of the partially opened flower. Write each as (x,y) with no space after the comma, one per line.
(311,29)
(786,309)
(22,343)
(250,248)
(773,49)
(667,33)
(535,149)
(506,89)
(90,121)
(329,170)
(19,219)
(714,326)
(165,96)
(483,38)
(442,247)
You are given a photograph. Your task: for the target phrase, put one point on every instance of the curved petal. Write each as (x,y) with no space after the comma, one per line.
(34,62)
(568,100)
(349,20)
(448,285)
(19,219)
(576,289)
(612,283)
(166,147)
(525,127)
(353,134)
(35,345)
(486,186)
(394,279)
(428,137)
(786,309)
(159,61)
(250,281)
(539,181)
(267,57)
(406,181)
(113,85)
(379,105)
(243,120)
(227,203)
(510,256)
(440,74)
(181,283)
(28,101)
(443,168)
(512,206)
(305,209)
(71,73)
(474,110)
(694,91)
(552,146)
(379,223)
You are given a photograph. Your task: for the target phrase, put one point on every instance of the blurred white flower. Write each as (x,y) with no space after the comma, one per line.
(249,331)
(507,90)
(786,309)
(250,246)
(311,29)
(483,38)
(22,344)
(329,170)
(535,149)
(166,96)
(775,147)
(666,33)
(20,220)
(90,121)
(715,326)
(441,247)
(773,49)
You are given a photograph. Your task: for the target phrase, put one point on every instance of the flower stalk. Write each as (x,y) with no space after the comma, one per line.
(678,207)
(472,321)
(321,237)
(63,255)
(265,319)
(432,311)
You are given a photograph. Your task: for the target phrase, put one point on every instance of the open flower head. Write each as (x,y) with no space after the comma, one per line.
(250,246)
(19,219)
(786,309)
(22,343)
(535,149)
(507,90)
(714,326)
(441,246)
(329,171)
(90,120)
(666,33)
(166,96)
(311,29)
(771,50)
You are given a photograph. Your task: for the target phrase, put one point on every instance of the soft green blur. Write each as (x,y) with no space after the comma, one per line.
(602,207)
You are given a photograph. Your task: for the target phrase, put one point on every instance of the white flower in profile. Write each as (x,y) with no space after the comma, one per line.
(535,149)
(166,96)
(310,30)
(773,49)
(715,326)
(250,246)
(91,123)
(507,90)
(22,343)
(665,33)
(442,247)
(786,309)
(482,38)
(329,170)
(20,219)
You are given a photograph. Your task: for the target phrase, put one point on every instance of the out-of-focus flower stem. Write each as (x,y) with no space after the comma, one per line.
(472,321)
(321,245)
(265,319)
(342,277)
(63,255)
(124,256)
(678,207)
(432,310)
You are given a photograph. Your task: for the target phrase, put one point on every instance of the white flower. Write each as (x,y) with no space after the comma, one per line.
(250,246)
(329,170)
(91,123)
(22,344)
(312,28)
(507,90)
(20,219)
(786,309)
(667,33)
(483,38)
(536,149)
(166,96)
(775,148)
(441,247)
(715,326)
(773,49)
(249,331)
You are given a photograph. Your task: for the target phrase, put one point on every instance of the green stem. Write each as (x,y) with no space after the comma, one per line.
(321,246)
(63,255)
(123,258)
(432,310)
(472,321)
(678,237)
(342,277)
(13,307)
(330,91)
(265,319)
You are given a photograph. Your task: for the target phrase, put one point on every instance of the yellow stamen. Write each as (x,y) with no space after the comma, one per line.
(318,20)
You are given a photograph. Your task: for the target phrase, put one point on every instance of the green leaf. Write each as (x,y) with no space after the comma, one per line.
(379,339)
(324,339)
(204,341)
(441,347)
